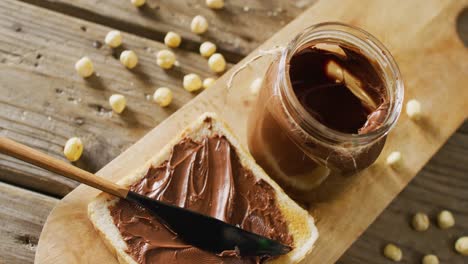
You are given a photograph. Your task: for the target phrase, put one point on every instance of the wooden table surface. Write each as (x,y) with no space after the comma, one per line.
(43,103)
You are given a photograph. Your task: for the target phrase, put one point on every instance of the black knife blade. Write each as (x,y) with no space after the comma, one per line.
(208,233)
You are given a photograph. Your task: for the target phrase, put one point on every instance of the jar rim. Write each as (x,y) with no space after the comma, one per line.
(363,40)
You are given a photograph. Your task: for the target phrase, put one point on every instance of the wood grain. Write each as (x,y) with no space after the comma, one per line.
(442,184)
(237,29)
(44,102)
(434,44)
(22,214)
(42,160)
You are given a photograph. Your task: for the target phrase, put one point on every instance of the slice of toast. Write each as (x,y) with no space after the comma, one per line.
(299,222)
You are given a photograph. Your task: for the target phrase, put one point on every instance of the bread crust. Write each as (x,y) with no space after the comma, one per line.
(300,223)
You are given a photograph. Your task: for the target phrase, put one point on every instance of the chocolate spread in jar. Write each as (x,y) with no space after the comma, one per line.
(206,177)
(340,88)
(337,86)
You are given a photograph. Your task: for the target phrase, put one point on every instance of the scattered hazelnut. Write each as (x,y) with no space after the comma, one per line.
(117,102)
(113,38)
(430,259)
(73,149)
(461,246)
(84,67)
(393,252)
(172,39)
(165,59)
(129,59)
(215,4)
(207,49)
(163,96)
(192,82)
(199,25)
(394,159)
(445,219)
(413,109)
(420,222)
(208,82)
(256,85)
(217,62)
(138,3)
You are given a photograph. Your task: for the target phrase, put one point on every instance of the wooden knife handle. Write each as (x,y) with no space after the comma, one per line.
(27,154)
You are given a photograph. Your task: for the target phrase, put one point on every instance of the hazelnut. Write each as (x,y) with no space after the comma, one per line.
(163,96)
(217,63)
(461,246)
(215,4)
(445,219)
(420,222)
(430,259)
(84,67)
(172,39)
(207,49)
(208,82)
(129,59)
(256,85)
(113,38)
(394,159)
(117,102)
(413,109)
(73,149)
(393,252)
(192,82)
(165,59)
(138,3)
(199,25)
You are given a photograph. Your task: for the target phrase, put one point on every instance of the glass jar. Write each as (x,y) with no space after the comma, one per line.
(291,144)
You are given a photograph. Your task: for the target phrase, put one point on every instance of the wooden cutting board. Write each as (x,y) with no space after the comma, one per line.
(421,35)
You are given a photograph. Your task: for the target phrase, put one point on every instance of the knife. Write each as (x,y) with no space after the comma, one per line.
(201,231)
